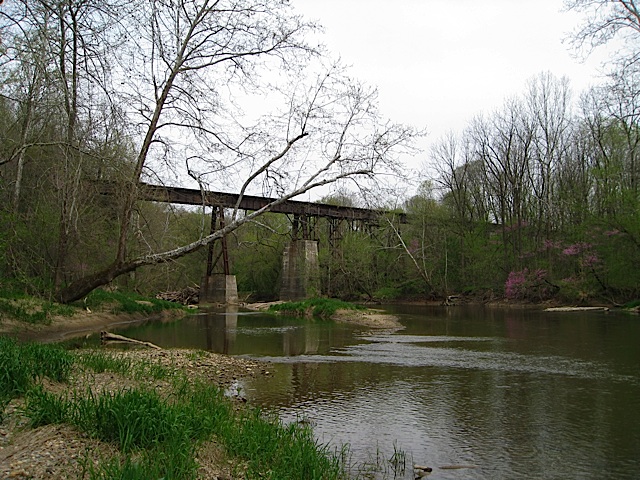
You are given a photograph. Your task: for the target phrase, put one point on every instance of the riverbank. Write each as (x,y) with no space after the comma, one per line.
(82,322)
(144,413)
(79,324)
(58,449)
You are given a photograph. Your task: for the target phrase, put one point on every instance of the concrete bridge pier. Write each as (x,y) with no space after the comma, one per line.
(219,288)
(300,271)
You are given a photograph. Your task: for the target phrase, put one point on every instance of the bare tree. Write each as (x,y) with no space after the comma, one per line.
(548,103)
(56,56)
(184,62)
(605,19)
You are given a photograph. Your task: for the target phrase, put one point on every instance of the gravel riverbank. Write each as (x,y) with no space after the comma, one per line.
(61,451)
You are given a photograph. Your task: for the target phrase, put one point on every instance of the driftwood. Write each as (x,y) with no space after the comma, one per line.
(450,300)
(577,309)
(106,337)
(186,296)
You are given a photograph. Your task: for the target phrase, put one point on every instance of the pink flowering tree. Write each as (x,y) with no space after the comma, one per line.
(528,284)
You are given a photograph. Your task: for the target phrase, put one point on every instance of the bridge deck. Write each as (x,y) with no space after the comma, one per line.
(188,196)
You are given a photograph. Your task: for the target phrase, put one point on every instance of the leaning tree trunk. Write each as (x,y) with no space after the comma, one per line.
(82,287)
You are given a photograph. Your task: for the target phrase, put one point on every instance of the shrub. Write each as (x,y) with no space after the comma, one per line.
(127,302)
(528,285)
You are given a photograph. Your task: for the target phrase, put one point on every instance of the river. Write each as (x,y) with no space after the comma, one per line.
(513,393)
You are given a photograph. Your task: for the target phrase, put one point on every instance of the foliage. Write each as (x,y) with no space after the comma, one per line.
(167,227)
(388,293)
(126,302)
(540,168)
(256,256)
(318,307)
(527,285)
(71,128)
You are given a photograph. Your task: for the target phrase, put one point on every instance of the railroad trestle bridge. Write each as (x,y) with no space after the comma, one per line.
(300,269)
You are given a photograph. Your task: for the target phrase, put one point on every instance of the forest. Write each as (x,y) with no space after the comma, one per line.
(538,200)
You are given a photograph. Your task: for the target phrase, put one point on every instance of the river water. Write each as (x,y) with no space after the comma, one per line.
(516,394)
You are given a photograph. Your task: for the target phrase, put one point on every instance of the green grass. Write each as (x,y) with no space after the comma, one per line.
(318,307)
(31,309)
(22,365)
(388,293)
(126,302)
(161,436)
(100,362)
(157,436)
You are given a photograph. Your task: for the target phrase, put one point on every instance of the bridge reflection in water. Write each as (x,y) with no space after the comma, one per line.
(235,331)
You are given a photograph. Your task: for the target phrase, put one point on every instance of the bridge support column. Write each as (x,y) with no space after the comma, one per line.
(219,288)
(300,271)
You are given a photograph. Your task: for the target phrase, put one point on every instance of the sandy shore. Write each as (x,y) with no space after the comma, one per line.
(369,317)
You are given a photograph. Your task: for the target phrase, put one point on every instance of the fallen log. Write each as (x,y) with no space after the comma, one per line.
(106,337)
(576,309)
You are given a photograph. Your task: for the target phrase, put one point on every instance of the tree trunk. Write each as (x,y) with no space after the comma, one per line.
(82,287)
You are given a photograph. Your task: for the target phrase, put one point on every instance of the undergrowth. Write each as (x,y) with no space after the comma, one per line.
(36,310)
(318,307)
(126,302)
(31,309)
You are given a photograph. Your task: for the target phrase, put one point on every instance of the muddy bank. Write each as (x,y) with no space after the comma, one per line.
(80,324)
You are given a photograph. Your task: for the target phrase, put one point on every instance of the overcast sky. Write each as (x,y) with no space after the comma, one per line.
(438,63)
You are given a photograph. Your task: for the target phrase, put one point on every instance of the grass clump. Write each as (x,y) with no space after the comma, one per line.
(632,304)
(318,307)
(158,436)
(131,419)
(275,450)
(31,309)
(100,362)
(126,302)
(21,365)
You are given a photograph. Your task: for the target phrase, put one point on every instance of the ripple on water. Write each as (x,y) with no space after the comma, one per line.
(417,351)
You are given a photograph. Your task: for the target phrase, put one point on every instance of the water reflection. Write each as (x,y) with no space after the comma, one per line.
(237,332)
(520,394)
